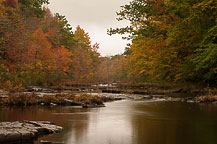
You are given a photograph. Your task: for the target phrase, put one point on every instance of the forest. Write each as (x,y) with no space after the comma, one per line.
(172,41)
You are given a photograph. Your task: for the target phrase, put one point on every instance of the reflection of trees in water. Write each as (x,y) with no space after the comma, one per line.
(79,126)
(174,123)
(2,115)
(19,113)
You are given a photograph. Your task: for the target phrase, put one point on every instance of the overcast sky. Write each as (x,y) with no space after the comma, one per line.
(95,16)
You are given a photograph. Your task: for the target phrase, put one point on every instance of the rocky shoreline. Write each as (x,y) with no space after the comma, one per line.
(25,131)
(198,99)
(52,99)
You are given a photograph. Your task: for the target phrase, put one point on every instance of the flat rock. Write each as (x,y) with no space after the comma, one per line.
(49,142)
(25,130)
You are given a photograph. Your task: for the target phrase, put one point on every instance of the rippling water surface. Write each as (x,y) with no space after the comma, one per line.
(126,122)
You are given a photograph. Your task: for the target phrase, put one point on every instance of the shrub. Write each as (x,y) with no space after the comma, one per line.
(21,99)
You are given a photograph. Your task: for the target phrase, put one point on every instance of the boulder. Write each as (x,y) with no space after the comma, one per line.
(49,142)
(148,97)
(53,104)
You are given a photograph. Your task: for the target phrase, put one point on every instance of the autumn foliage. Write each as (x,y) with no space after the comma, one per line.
(172,40)
(39,48)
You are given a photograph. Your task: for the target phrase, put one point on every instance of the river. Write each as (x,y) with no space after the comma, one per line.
(126,122)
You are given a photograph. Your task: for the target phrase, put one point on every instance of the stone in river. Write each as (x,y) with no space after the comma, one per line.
(25,130)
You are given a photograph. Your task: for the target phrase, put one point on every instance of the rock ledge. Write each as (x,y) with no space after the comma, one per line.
(24,131)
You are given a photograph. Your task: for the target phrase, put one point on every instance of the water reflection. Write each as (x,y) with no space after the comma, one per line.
(175,123)
(126,122)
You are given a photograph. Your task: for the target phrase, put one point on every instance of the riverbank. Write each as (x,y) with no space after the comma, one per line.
(137,88)
(193,93)
(52,99)
(81,94)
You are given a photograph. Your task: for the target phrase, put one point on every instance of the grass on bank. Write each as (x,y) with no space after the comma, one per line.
(23,99)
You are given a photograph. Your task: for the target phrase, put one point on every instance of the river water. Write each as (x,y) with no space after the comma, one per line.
(126,122)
